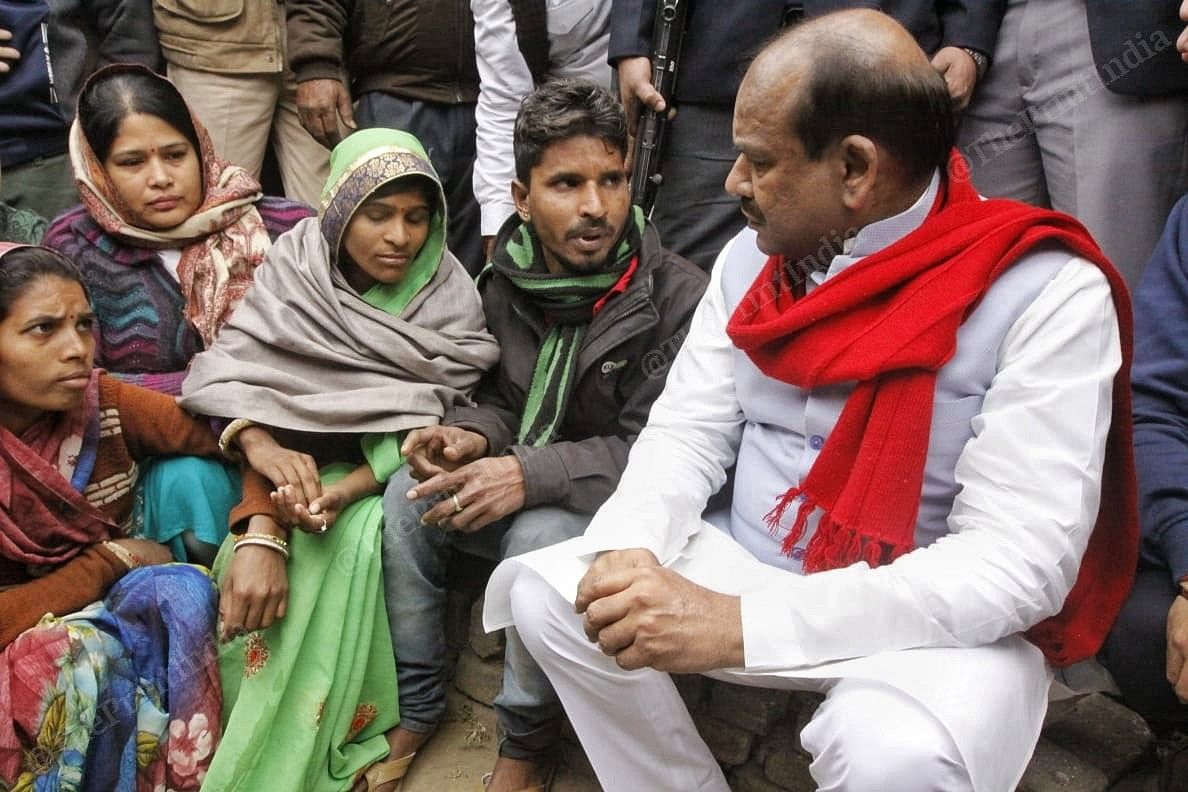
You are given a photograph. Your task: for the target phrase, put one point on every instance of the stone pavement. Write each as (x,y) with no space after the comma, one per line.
(1089,744)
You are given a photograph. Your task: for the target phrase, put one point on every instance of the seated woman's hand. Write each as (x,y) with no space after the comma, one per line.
(325,510)
(292,509)
(255,591)
(145,551)
(278,464)
(317,515)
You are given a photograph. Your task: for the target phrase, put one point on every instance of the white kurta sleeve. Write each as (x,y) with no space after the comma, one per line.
(1030,481)
(680,458)
(504,80)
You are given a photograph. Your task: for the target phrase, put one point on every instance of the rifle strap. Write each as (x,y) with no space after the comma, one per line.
(532,35)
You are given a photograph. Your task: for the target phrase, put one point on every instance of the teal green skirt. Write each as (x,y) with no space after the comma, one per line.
(176,495)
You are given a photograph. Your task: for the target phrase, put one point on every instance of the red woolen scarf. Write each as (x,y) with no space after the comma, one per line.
(890,323)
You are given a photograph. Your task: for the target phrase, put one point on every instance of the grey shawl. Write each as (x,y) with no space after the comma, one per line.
(304,351)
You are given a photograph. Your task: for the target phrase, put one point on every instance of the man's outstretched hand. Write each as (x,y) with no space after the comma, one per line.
(475,495)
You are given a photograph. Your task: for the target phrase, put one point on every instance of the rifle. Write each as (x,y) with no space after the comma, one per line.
(668,31)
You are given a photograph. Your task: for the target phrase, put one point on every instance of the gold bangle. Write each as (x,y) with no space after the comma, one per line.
(267,537)
(126,556)
(230,433)
(273,546)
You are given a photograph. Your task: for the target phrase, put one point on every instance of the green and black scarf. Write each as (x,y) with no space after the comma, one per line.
(568,302)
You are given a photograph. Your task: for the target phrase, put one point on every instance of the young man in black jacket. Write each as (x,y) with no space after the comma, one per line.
(589,311)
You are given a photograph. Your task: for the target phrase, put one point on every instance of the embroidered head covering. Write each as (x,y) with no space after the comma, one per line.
(221,243)
(360,165)
(44,518)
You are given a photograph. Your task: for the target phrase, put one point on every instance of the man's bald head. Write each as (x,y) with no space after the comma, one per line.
(856,72)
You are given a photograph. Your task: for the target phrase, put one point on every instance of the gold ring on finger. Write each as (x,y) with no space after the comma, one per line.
(457,503)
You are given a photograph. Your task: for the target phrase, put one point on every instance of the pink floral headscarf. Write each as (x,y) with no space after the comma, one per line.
(221,244)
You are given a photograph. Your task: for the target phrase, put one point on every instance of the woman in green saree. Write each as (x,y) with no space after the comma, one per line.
(361,326)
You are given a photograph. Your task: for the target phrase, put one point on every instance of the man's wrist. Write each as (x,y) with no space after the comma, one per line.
(733,648)
(545,478)
(514,468)
(980,59)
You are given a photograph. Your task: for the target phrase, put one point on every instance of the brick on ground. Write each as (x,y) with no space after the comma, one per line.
(486,645)
(729,744)
(750,778)
(1055,769)
(788,769)
(478,679)
(751,708)
(1102,732)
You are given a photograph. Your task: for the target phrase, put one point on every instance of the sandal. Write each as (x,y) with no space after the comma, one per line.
(545,786)
(385,772)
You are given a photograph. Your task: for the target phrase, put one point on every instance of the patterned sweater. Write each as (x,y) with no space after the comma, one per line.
(143,335)
(134,423)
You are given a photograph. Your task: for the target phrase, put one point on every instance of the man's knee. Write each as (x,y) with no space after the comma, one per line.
(408,544)
(542,526)
(402,517)
(870,736)
(543,619)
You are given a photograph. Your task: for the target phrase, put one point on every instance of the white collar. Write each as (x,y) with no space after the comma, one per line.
(883,233)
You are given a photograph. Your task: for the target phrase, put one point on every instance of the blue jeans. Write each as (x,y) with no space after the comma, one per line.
(415,560)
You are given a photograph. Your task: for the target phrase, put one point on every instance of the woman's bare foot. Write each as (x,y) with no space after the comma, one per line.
(510,775)
(401,742)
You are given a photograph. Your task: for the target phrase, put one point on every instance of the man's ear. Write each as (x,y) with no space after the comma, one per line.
(519,192)
(860,171)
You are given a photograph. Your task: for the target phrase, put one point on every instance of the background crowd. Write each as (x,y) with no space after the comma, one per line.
(163,151)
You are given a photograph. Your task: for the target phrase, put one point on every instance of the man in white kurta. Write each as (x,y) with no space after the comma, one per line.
(929,682)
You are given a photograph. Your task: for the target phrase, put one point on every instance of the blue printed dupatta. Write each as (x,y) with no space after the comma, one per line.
(122,696)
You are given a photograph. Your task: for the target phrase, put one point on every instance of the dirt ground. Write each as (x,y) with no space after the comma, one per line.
(463,749)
